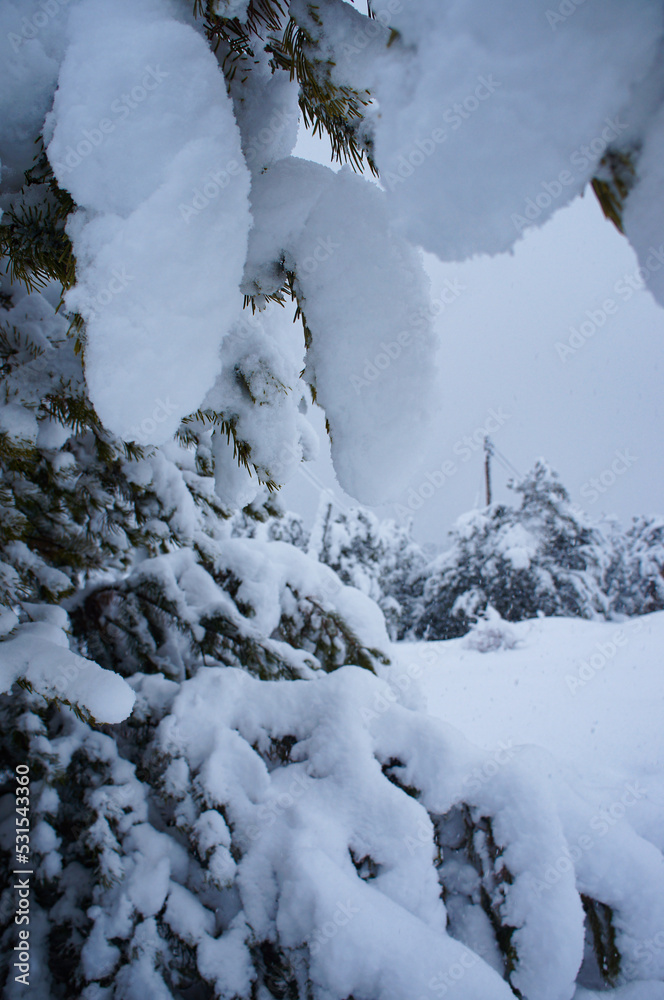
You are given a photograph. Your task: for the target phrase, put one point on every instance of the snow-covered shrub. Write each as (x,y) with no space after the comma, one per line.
(489,633)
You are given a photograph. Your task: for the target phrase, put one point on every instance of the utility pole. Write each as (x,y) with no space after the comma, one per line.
(488,452)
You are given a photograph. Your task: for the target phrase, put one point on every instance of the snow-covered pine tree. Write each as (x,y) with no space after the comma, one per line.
(124,559)
(574,552)
(379,557)
(307,835)
(544,557)
(121,560)
(635,577)
(403,562)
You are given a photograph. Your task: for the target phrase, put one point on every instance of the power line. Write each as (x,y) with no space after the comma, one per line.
(509,466)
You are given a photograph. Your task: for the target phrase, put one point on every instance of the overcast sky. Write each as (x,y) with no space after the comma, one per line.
(590,403)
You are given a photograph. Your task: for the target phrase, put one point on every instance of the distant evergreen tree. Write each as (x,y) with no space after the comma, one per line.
(378,557)
(543,558)
(635,577)
(270,521)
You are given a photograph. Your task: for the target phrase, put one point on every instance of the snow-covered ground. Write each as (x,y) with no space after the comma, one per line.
(591,693)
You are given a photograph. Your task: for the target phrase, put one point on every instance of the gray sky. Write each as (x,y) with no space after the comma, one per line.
(591,406)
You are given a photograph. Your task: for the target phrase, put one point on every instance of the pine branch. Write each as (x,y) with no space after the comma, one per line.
(32,231)
(239,37)
(615,179)
(327,108)
(186,436)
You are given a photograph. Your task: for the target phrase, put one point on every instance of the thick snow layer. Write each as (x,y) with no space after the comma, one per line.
(490,119)
(644,212)
(364,294)
(336,857)
(38,652)
(383,938)
(591,693)
(148,147)
(259,389)
(272,579)
(267,112)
